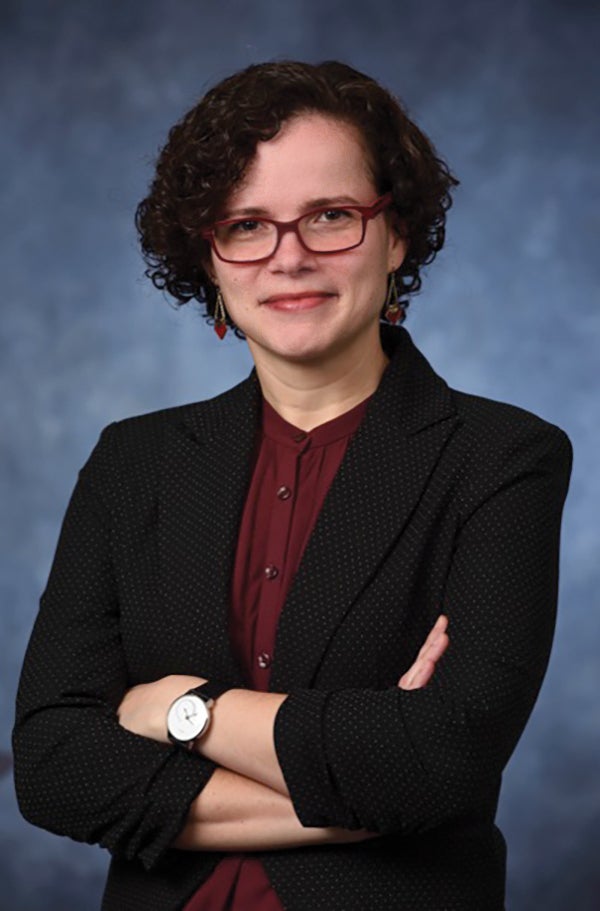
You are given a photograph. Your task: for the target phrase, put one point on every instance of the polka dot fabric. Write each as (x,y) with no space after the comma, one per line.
(443,501)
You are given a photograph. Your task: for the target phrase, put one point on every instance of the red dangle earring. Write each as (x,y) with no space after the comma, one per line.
(220,316)
(394,311)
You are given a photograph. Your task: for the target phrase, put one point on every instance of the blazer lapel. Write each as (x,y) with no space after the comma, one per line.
(205,477)
(379,483)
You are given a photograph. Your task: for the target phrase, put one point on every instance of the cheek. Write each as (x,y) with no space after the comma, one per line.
(225,278)
(372,275)
(240,291)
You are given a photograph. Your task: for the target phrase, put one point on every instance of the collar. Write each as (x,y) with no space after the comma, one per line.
(276,428)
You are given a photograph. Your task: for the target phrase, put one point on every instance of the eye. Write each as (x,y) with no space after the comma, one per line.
(247,226)
(330,215)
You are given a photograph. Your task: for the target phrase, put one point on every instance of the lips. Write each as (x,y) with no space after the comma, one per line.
(299,300)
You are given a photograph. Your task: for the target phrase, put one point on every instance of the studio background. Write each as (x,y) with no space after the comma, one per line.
(508,92)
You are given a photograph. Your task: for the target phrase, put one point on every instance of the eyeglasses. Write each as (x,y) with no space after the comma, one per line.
(329,229)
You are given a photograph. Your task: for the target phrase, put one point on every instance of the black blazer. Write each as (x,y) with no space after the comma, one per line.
(444,501)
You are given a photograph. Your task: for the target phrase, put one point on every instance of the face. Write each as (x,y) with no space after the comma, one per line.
(301,306)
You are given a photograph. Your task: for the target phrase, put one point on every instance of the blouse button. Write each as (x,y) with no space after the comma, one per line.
(284,493)
(264,660)
(271,571)
(300,436)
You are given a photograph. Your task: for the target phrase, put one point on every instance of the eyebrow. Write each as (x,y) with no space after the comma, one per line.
(261,212)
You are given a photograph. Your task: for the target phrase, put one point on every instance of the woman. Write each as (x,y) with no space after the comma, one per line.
(232,752)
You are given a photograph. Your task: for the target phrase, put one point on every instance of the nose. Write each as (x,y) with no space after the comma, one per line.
(290,255)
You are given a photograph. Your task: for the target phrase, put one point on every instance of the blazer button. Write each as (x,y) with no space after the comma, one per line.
(264,660)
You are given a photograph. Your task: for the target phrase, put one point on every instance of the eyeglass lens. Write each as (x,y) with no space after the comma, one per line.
(322,232)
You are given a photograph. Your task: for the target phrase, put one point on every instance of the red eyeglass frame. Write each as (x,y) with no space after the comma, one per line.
(367,213)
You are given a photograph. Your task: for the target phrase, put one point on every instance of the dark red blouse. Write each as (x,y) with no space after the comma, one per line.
(292,474)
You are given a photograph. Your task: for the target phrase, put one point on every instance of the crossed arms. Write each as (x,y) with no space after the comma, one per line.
(245,805)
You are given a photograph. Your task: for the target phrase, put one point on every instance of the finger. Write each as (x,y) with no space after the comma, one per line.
(440,626)
(432,656)
(425,663)
(418,676)
(416,672)
(438,647)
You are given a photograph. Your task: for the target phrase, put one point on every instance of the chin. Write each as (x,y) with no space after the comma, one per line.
(292,345)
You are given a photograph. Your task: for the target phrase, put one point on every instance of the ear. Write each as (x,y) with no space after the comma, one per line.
(207,265)
(398,244)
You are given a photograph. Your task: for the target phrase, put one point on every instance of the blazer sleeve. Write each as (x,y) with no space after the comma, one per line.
(77,771)
(409,761)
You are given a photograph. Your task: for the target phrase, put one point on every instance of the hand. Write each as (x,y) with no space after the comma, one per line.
(421,672)
(143,709)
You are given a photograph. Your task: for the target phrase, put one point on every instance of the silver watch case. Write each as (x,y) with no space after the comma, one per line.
(188,718)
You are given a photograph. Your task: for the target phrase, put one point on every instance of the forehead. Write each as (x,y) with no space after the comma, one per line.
(312,156)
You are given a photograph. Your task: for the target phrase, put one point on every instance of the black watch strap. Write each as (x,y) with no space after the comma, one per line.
(212,689)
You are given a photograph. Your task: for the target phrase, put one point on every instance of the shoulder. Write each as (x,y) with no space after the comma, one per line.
(497,445)
(418,397)
(486,432)
(199,419)
(499,427)
(135,445)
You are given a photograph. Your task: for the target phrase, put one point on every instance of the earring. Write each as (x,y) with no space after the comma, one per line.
(220,316)
(394,311)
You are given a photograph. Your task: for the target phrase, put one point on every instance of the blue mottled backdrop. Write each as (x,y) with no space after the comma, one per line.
(509,93)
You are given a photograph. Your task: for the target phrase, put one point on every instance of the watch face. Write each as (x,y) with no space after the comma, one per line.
(187,717)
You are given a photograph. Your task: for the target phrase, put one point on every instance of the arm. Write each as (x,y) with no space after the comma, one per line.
(419,759)
(77,771)
(240,736)
(234,813)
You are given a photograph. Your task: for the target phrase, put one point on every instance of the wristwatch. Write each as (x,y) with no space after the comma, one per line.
(189,715)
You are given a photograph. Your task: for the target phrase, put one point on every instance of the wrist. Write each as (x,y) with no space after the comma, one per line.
(240,736)
(189,715)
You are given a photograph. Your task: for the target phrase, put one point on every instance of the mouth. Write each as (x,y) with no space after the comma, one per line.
(302,300)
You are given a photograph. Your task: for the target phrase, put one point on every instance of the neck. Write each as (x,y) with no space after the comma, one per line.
(307,394)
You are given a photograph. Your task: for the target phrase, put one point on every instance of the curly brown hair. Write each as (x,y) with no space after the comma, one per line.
(209,149)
